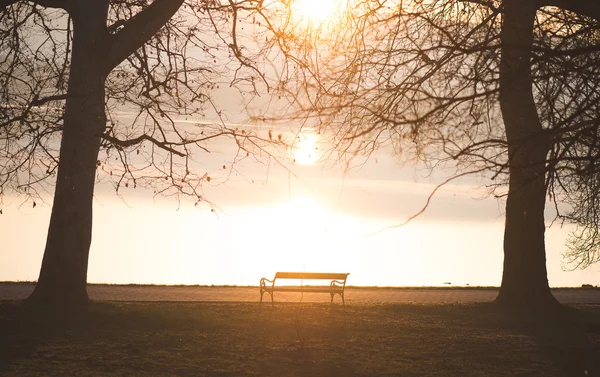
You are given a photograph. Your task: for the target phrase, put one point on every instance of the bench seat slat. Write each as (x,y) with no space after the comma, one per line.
(311,275)
(303,289)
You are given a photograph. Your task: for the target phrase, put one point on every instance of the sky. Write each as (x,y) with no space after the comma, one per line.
(324,220)
(312,218)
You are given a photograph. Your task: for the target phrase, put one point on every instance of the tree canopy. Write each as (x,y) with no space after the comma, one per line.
(503,89)
(114,90)
(156,95)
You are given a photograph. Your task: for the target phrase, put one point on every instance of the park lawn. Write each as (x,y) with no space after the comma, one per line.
(243,339)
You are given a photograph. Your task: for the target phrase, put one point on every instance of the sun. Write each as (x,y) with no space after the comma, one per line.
(305,148)
(313,11)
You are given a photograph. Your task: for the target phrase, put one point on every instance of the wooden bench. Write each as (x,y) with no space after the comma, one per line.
(337,283)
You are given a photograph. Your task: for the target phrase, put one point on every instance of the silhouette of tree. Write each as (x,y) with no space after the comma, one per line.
(506,89)
(114,84)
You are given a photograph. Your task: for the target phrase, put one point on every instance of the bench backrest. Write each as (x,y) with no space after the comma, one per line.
(312,275)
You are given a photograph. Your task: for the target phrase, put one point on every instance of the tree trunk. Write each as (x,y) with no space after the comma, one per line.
(524,279)
(63,275)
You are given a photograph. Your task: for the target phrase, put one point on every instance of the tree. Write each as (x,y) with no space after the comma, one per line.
(535,164)
(112,83)
(505,89)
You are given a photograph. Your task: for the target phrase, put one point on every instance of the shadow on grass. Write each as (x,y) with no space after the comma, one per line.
(25,330)
(563,335)
(239,339)
(567,337)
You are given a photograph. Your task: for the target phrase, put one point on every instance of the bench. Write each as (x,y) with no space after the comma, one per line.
(337,283)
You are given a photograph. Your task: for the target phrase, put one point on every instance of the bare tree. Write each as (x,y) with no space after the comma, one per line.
(110,90)
(504,89)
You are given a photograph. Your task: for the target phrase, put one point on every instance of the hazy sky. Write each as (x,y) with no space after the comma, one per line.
(320,222)
(315,220)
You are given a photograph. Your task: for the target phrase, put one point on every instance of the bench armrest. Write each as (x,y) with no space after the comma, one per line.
(337,283)
(263,283)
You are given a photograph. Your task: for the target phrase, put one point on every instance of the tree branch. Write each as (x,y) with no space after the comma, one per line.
(62,4)
(589,8)
(431,194)
(40,101)
(139,139)
(138,30)
(7,3)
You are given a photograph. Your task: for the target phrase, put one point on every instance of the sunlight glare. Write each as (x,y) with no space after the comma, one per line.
(303,211)
(301,228)
(314,11)
(305,148)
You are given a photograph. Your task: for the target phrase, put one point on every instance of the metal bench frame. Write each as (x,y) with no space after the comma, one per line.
(336,285)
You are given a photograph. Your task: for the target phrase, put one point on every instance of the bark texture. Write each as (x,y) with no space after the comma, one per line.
(63,274)
(524,279)
(95,52)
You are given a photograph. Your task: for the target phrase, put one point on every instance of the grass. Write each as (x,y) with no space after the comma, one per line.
(348,286)
(242,339)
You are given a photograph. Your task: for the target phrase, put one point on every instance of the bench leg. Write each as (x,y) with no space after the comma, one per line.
(341,295)
(272,302)
(261,296)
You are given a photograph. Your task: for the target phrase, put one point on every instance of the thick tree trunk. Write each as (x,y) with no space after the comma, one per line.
(524,279)
(63,275)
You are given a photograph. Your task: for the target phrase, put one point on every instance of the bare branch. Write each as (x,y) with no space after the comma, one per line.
(138,30)
(427,202)
(588,8)
(130,142)
(7,3)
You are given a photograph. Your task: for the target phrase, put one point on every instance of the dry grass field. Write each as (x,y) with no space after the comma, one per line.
(244,339)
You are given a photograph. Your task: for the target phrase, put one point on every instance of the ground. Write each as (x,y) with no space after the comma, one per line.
(162,293)
(124,338)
